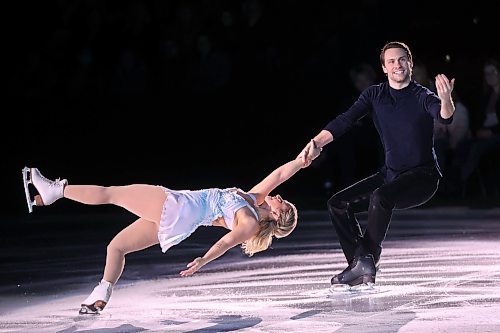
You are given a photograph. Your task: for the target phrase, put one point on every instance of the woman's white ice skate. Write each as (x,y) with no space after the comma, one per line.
(48,190)
(98,299)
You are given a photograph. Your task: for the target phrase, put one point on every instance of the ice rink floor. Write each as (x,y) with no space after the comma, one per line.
(440,272)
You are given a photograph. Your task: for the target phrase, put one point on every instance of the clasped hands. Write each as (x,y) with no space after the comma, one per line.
(310,152)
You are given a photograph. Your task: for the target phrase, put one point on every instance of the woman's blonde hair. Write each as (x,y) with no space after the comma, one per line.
(269,227)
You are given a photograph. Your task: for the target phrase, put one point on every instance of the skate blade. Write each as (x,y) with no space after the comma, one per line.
(363,287)
(27,181)
(95,308)
(85,309)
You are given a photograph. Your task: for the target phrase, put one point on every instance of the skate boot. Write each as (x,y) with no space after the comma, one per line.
(361,271)
(98,299)
(48,190)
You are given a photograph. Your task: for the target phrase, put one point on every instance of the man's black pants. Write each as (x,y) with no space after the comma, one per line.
(379,197)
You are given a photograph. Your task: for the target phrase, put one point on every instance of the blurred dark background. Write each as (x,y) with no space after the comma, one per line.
(195,94)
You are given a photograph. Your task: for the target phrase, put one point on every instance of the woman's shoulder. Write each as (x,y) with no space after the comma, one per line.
(250,197)
(246,218)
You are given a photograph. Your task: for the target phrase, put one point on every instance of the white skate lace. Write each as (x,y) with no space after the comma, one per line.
(57,182)
(51,183)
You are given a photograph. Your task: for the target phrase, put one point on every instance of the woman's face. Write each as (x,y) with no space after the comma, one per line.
(277,205)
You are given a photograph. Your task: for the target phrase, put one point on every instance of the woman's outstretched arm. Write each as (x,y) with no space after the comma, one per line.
(277,177)
(244,230)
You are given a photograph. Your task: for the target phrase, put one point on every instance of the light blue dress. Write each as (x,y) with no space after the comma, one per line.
(184,211)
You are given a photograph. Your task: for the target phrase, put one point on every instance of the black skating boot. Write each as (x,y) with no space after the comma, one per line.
(361,271)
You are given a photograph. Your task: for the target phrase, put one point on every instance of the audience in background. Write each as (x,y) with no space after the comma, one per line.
(447,137)
(483,150)
(421,75)
(248,55)
(359,152)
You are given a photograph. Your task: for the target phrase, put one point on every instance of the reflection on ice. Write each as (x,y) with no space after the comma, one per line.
(424,285)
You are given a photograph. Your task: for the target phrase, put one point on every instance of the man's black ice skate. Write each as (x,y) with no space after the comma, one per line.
(361,271)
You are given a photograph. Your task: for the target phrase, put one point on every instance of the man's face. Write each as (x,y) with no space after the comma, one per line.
(397,65)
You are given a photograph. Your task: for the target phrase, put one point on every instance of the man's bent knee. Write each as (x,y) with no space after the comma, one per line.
(337,206)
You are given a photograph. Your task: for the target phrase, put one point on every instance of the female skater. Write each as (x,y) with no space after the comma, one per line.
(168,217)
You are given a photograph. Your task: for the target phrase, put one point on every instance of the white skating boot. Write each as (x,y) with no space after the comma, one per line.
(98,299)
(48,190)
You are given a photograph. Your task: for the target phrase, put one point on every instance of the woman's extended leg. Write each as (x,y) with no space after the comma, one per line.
(139,235)
(145,201)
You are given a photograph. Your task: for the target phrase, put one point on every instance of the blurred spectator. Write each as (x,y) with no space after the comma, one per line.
(421,75)
(447,137)
(447,140)
(210,71)
(484,149)
(358,152)
(129,75)
(458,130)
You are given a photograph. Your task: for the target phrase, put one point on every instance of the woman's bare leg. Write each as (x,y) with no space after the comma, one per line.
(145,201)
(139,235)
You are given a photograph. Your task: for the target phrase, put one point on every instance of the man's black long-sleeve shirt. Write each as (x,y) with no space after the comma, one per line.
(404,120)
